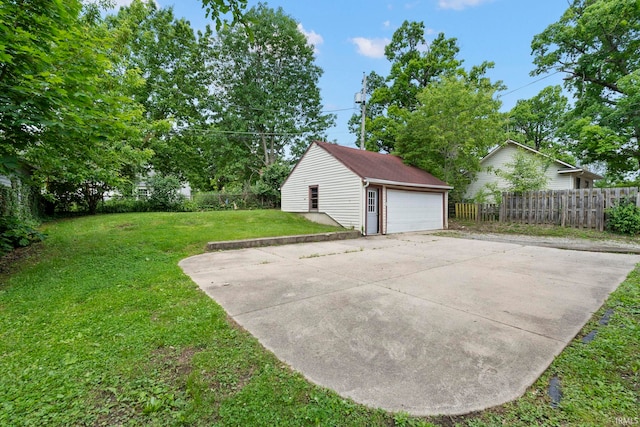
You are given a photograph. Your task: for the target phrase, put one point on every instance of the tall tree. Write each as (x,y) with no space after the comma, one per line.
(62,106)
(30,77)
(414,65)
(457,122)
(216,9)
(537,121)
(176,93)
(596,43)
(268,85)
(94,144)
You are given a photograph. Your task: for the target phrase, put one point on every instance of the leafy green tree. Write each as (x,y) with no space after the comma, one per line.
(457,122)
(596,44)
(269,183)
(64,109)
(524,173)
(414,65)
(268,87)
(176,93)
(31,73)
(536,122)
(95,145)
(216,9)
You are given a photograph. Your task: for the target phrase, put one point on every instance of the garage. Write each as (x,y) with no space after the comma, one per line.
(414,211)
(371,192)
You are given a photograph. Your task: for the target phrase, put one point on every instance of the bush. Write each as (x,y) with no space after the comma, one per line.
(164,193)
(220,201)
(624,218)
(16,233)
(124,205)
(268,186)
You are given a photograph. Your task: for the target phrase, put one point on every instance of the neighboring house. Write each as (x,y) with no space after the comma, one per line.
(560,175)
(370,192)
(143,191)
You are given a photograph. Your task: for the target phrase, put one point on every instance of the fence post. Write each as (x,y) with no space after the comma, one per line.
(600,212)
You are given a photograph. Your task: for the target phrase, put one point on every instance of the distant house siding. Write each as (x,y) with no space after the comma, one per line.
(5,181)
(487,175)
(339,189)
(558,181)
(502,157)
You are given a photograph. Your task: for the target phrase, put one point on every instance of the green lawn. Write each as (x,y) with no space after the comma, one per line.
(99,326)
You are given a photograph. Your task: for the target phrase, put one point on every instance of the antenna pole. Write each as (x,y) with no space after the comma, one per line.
(364,109)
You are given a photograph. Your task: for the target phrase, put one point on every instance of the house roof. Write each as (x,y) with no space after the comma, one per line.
(380,168)
(564,167)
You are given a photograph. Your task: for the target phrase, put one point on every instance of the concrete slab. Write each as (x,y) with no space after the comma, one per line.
(413,322)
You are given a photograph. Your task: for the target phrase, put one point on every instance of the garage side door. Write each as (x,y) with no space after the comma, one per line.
(413,211)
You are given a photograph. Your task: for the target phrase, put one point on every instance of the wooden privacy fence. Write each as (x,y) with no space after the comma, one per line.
(584,208)
(478,211)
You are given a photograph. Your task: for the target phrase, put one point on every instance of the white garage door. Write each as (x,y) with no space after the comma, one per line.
(413,211)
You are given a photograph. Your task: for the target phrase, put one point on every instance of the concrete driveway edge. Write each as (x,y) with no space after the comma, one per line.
(282,240)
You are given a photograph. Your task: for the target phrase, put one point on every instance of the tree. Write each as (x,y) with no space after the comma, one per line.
(215,9)
(272,178)
(268,86)
(537,121)
(30,90)
(524,173)
(94,145)
(596,43)
(176,93)
(457,122)
(414,65)
(64,109)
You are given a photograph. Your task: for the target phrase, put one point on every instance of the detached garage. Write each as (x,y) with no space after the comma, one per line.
(371,192)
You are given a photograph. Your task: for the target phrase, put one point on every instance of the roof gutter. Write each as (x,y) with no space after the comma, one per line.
(581,172)
(405,184)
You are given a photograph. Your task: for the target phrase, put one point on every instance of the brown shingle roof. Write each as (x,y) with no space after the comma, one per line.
(377,166)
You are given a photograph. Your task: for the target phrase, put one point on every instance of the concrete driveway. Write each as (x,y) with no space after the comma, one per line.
(413,322)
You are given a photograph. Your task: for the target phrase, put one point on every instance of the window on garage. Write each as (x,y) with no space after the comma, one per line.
(313,198)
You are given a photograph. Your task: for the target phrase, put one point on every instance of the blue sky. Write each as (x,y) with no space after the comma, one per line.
(349,36)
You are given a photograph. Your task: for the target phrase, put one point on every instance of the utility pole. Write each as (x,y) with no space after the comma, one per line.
(363,107)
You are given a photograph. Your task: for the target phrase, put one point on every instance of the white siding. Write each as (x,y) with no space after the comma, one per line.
(558,181)
(340,190)
(5,181)
(500,159)
(487,175)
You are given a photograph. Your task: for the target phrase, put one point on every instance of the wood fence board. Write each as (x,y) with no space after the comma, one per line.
(582,208)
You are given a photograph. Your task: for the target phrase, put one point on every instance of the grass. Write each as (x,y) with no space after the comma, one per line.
(99,326)
(536,230)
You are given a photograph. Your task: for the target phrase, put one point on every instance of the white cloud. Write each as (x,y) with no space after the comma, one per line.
(459,4)
(372,48)
(412,5)
(386,24)
(313,38)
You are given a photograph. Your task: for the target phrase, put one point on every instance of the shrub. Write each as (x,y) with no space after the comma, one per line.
(164,193)
(268,186)
(124,205)
(624,218)
(16,233)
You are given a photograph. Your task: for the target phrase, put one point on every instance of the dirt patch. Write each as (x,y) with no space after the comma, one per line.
(112,412)
(9,263)
(176,364)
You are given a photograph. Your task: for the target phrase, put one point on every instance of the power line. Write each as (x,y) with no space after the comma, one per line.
(528,84)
